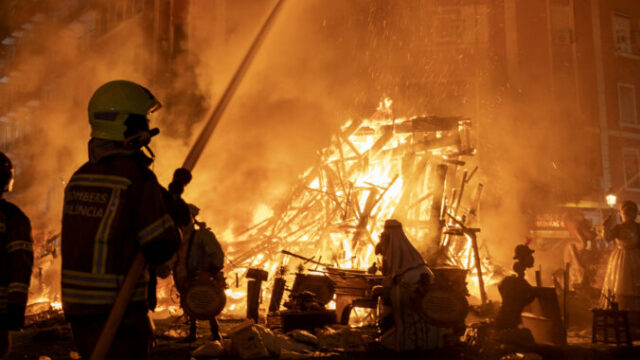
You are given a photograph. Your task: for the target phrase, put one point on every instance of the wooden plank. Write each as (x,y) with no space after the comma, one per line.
(428,124)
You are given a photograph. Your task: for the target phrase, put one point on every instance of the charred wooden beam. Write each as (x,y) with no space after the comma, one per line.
(437,177)
(364,219)
(427,124)
(439,142)
(276,294)
(458,201)
(254,285)
(455,162)
(476,254)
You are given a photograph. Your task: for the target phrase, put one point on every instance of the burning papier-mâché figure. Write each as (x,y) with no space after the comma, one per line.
(115,211)
(622,280)
(16,260)
(405,271)
(515,291)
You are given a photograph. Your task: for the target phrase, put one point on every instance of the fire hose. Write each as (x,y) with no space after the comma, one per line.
(137,267)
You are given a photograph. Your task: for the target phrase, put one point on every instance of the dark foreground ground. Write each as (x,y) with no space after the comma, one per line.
(52,340)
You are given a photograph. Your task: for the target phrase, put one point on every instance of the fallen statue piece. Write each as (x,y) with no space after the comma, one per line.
(253,341)
(211,349)
(304,337)
(246,342)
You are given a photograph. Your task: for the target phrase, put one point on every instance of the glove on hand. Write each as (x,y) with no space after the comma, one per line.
(181,177)
(15,317)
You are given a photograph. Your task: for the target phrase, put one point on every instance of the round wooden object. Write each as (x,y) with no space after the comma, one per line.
(442,307)
(204,299)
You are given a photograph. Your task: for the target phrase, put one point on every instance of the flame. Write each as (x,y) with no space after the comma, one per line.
(56,305)
(385,105)
(464,257)
(337,209)
(235,295)
(262,212)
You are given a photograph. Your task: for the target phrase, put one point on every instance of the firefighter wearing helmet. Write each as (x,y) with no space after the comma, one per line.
(16,260)
(113,208)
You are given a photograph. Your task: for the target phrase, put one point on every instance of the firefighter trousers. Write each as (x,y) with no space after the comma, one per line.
(5,344)
(132,341)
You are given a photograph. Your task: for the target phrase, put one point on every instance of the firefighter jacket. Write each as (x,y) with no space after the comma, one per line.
(113,207)
(16,256)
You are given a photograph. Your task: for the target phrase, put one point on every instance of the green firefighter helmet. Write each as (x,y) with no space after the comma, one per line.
(113,103)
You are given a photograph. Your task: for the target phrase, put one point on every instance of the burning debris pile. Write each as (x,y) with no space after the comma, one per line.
(44,292)
(374,169)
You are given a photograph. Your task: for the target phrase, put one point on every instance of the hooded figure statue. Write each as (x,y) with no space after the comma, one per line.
(404,270)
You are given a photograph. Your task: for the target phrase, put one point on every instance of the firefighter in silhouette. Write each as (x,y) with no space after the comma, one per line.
(114,207)
(199,264)
(515,291)
(16,260)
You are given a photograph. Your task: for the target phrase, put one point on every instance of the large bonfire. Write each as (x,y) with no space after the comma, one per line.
(410,169)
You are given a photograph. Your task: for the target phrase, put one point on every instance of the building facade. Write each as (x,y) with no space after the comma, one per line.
(616,34)
(588,61)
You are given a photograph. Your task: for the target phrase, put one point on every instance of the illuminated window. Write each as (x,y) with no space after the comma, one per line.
(627,104)
(448,24)
(622,33)
(631,163)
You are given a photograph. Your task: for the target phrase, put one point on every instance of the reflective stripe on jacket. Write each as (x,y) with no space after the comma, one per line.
(16,255)
(112,208)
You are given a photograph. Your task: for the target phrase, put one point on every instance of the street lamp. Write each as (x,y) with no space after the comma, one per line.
(612,199)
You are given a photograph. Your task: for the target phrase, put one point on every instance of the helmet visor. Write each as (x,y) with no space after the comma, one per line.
(9,186)
(154,108)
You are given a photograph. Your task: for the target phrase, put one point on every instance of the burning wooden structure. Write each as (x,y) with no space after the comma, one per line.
(410,169)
